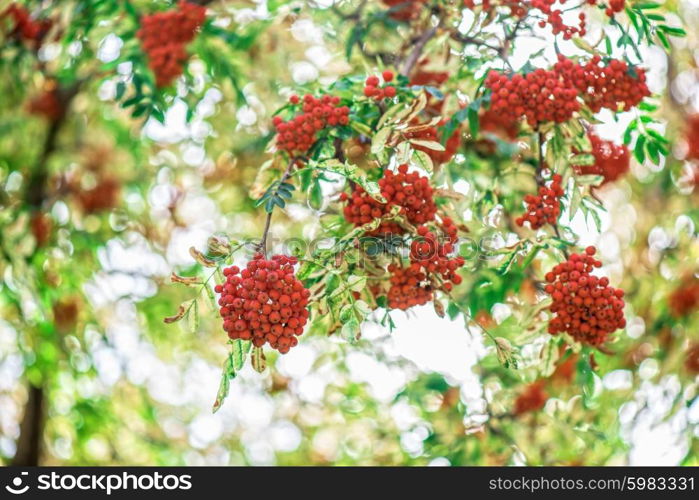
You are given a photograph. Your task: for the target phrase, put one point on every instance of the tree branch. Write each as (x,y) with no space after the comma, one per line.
(31,429)
(413,57)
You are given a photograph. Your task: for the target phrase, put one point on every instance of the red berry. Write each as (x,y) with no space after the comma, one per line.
(252,307)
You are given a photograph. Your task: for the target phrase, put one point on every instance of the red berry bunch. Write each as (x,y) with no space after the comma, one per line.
(24,27)
(692,137)
(605,85)
(434,257)
(615,6)
(494,123)
(426,77)
(410,191)
(554,18)
(41,226)
(532,399)
(404,10)
(372,89)
(585,306)
(264,302)
(297,135)
(611,160)
(685,299)
(408,288)
(545,207)
(691,362)
(432,134)
(48,105)
(164,37)
(540,96)
(104,196)
(517,7)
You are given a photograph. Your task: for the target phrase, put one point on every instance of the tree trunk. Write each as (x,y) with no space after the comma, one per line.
(31,429)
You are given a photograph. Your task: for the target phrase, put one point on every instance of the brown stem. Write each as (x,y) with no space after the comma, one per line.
(31,429)
(413,57)
(265,232)
(469,40)
(339,153)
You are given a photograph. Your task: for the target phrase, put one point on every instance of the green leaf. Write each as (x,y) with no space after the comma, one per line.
(423,160)
(473,120)
(350,331)
(507,262)
(354,174)
(638,150)
(583,159)
(120,89)
(589,180)
(194,318)
(378,142)
(233,364)
(670,30)
(575,201)
(259,361)
(433,145)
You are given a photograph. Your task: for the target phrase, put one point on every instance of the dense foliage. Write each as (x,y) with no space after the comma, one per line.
(314,196)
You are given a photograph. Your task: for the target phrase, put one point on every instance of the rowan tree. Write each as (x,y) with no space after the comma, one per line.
(526,170)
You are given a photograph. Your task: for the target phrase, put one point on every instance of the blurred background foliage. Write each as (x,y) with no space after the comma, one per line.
(104,190)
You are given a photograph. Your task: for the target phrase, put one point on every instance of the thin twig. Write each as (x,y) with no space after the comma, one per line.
(413,57)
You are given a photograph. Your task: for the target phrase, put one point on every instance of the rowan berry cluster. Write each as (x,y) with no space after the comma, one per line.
(404,10)
(532,399)
(164,37)
(517,7)
(373,89)
(104,196)
(24,27)
(432,134)
(685,299)
(431,267)
(584,306)
(691,362)
(426,77)
(611,160)
(48,104)
(565,370)
(434,257)
(297,135)
(495,123)
(41,227)
(540,96)
(264,302)
(615,6)
(410,191)
(554,18)
(545,207)
(692,137)
(408,288)
(608,85)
